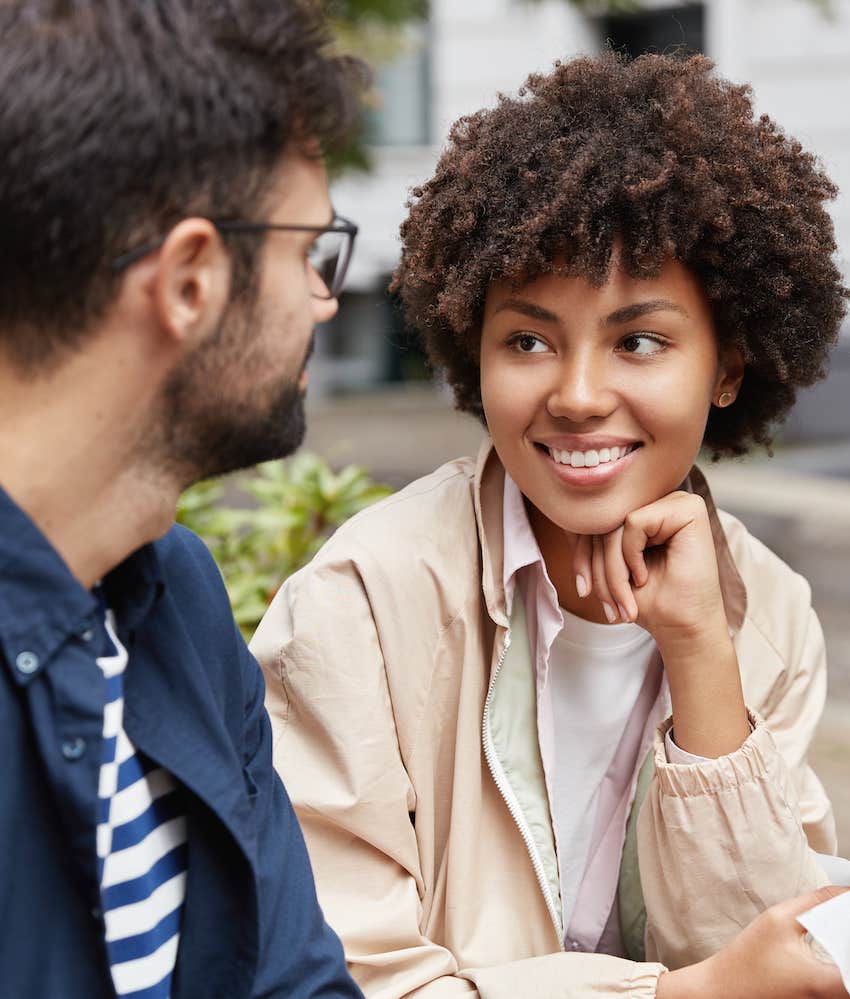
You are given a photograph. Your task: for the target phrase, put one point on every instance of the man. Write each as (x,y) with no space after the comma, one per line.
(167,246)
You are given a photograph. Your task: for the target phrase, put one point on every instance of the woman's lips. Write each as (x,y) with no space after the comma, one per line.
(597,472)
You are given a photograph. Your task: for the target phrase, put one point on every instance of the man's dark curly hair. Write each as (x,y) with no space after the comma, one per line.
(120,117)
(663,156)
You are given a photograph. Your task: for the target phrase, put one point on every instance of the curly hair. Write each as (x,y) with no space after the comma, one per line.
(120,118)
(664,157)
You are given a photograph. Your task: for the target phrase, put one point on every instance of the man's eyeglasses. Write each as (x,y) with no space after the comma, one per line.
(329,255)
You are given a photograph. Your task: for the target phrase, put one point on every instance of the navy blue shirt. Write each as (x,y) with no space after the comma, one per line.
(194,705)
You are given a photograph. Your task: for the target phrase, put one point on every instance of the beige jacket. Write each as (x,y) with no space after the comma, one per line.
(403,706)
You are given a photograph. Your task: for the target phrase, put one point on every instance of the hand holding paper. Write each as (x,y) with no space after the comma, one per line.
(766,960)
(829,922)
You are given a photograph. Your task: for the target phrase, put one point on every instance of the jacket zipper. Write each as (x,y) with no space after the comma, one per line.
(510,800)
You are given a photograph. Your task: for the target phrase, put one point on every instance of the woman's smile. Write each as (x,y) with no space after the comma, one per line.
(589,466)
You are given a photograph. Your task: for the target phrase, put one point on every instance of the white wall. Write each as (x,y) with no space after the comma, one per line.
(478,48)
(797,59)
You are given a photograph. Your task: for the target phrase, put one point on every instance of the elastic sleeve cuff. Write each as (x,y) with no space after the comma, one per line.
(696,776)
(682,756)
(644,985)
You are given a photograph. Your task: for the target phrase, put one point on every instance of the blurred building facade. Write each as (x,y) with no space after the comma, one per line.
(795,53)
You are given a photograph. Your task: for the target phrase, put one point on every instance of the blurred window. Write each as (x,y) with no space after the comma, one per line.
(403,88)
(658,30)
(367,344)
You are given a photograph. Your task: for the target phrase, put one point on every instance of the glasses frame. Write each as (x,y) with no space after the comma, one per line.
(339,224)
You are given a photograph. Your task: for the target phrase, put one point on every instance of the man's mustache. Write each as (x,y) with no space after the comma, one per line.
(311,346)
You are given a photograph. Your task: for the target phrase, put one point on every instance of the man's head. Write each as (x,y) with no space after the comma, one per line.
(153,125)
(236,397)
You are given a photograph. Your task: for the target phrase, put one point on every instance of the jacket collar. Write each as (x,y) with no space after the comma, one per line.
(489,487)
(42,603)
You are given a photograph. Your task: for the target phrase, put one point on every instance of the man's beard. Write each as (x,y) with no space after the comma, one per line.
(207,432)
(216,440)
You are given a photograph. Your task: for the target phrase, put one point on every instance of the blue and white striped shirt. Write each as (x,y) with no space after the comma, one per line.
(141,849)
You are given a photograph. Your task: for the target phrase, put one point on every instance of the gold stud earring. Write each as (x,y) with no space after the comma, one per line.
(725,399)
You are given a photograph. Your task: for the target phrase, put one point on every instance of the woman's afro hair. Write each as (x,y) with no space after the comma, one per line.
(663,158)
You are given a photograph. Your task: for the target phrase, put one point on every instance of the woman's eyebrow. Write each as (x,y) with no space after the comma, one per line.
(527,309)
(631,312)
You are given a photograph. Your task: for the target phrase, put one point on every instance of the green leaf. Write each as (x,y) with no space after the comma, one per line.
(286,511)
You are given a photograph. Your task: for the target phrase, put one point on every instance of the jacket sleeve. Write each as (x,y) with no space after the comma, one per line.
(720,841)
(299,954)
(792,713)
(336,745)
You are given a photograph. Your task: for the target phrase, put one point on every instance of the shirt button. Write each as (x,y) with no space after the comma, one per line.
(97,913)
(27,662)
(73,749)
(84,631)
(574,945)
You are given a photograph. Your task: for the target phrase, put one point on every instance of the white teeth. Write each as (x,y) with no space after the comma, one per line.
(591,458)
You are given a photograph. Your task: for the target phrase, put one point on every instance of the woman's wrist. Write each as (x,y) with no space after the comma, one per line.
(709,714)
(691,982)
(685,643)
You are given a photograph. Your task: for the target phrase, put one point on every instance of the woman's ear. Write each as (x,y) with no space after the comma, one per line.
(191,285)
(730,374)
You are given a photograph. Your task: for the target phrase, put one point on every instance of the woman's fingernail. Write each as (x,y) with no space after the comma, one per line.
(581,586)
(624,614)
(610,613)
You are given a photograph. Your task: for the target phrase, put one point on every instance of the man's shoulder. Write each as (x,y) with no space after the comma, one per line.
(196,593)
(189,570)
(181,549)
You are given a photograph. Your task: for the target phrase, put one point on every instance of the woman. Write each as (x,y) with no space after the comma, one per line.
(545,714)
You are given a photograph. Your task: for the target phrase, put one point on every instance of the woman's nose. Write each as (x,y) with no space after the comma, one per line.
(582,391)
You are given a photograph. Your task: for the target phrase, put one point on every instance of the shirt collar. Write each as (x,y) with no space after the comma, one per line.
(42,603)
(519,544)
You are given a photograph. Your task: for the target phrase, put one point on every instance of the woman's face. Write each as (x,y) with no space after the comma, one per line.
(597,397)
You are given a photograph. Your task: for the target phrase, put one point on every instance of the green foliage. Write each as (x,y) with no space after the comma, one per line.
(599,7)
(373,30)
(354,12)
(291,507)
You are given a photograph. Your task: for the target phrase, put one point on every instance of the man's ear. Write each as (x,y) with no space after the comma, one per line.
(191,283)
(730,373)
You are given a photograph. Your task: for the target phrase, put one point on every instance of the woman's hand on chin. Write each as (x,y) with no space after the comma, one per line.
(659,569)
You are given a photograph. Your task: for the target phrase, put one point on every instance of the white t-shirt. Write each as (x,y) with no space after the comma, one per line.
(596,672)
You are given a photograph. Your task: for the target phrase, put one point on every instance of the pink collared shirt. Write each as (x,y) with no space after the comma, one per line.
(593,918)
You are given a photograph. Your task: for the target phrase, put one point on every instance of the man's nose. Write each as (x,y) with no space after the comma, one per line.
(324,309)
(582,389)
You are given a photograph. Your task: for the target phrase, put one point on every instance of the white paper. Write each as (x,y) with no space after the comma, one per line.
(829,924)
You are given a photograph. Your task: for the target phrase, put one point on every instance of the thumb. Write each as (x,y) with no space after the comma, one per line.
(802,903)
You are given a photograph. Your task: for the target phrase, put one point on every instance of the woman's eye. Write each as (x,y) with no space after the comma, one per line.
(642,343)
(528,343)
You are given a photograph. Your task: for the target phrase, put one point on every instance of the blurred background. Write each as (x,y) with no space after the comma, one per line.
(372,400)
